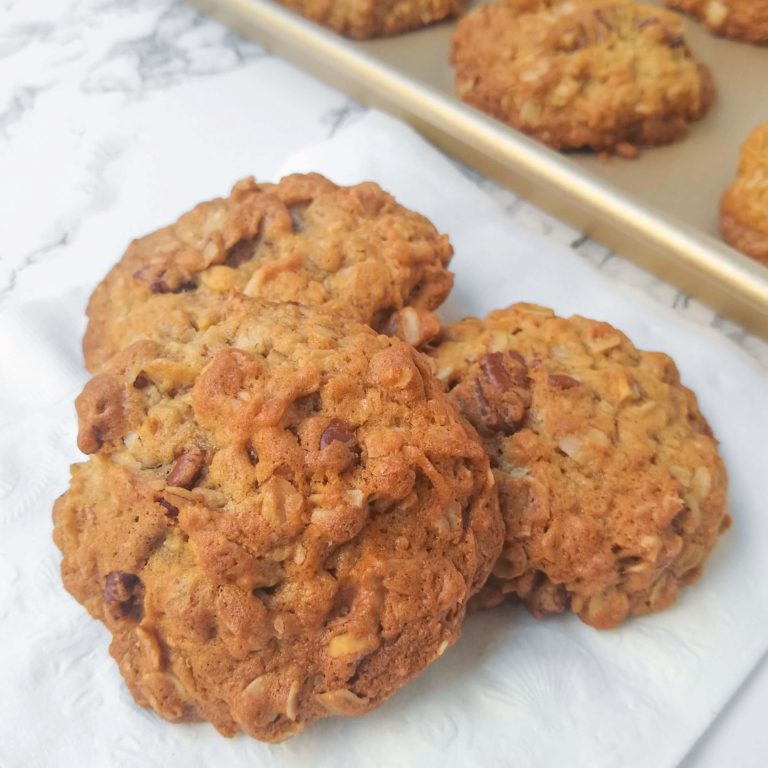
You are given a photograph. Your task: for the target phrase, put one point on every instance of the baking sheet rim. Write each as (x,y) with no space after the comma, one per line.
(745,281)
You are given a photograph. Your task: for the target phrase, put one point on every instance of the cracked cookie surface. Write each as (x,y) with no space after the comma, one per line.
(353,249)
(283,516)
(610,482)
(602,74)
(361,19)
(738,19)
(744,205)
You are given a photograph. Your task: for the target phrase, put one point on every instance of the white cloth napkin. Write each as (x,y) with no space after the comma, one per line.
(513,691)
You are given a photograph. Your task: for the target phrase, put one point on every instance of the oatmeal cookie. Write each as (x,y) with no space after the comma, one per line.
(305,239)
(282,518)
(611,486)
(738,19)
(744,206)
(361,19)
(602,74)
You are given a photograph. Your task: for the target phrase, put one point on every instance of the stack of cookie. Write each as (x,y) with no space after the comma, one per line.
(288,508)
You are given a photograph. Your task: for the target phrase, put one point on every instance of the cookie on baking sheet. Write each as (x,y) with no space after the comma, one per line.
(609,478)
(283,517)
(361,19)
(305,239)
(602,74)
(744,206)
(738,19)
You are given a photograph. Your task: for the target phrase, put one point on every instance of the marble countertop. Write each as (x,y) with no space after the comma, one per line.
(103,100)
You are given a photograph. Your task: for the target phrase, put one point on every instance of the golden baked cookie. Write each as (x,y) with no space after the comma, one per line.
(283,516)
(305,239)
(361,19)
(603,74)
(744,206)
(739,19)
(610,483)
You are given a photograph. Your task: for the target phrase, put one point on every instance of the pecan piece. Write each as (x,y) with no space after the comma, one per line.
(338,448)
(163,280)
(497,396)
(673,41)
(124,595)
(561,381)
(504,375)
(171,510)
(336,431)
(141,381)
(160,286)
(186,469)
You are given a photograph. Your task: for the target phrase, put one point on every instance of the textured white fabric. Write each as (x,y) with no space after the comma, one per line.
(513,691)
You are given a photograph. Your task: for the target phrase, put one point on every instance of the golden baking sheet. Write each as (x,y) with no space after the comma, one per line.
(660,210)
